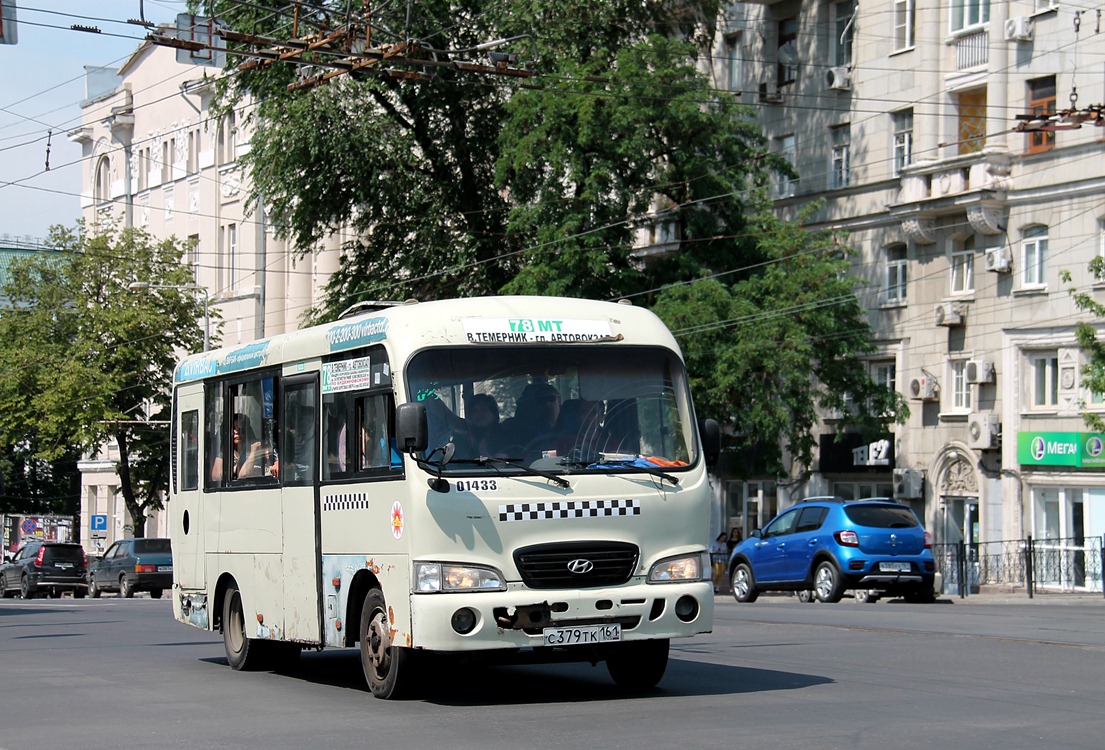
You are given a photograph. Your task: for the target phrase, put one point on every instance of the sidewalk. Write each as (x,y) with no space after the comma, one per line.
(1055,598)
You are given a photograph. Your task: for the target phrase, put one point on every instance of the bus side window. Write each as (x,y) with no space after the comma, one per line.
(189,450)
(216,435)
(299,451)
(375,417)
(335,436)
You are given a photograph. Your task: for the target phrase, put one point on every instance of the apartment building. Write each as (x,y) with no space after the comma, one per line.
(901,117)
(157,159)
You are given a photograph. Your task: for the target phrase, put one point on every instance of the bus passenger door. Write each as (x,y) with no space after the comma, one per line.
(299,507)
(186,508)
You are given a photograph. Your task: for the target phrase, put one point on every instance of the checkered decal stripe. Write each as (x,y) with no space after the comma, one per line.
(569,509)
(351,501)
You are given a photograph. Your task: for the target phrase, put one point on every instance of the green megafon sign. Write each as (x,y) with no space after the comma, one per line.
(1084,450)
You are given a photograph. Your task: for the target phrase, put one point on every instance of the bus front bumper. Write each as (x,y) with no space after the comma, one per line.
(527,618)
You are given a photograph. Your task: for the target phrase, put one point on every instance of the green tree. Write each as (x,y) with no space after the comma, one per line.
(463,185)
(84,359)
(1093,372)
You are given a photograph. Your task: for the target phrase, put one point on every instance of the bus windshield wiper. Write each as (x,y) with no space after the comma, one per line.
(634,462)
(497,464)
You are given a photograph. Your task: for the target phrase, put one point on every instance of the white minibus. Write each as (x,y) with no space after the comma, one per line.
(481,478)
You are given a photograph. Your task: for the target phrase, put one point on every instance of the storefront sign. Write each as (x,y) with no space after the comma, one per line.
(851,454)
(1084,450)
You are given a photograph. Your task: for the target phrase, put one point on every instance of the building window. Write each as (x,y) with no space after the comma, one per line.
(963,266)
(168,149)
(143,168)
(968,13)
(844,28)
(1101,238)
(734,70)
(961,389)
(786,147)
(972,121)
(904,14)
(1034,256)
(228,245)
(192,255)
(1042,5)
(1041,103)
(903,139)
(1043,379)
(886,375)
(101,188)
(841,137)
(896,267)
(787,53)
(227,145)
(193,151)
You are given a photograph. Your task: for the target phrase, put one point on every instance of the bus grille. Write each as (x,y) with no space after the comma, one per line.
(572,565)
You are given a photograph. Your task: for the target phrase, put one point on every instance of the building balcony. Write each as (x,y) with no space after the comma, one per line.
(975,184)
(970,49)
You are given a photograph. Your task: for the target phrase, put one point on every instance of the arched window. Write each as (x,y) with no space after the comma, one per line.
(101,185)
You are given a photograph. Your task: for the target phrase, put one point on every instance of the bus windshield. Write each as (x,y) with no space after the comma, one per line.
(556,408)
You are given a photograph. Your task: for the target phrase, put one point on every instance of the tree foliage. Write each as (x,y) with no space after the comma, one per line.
(616,171)
(83,358)
(1093,372)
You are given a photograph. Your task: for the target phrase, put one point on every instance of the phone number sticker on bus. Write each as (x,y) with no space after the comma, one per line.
(532,330)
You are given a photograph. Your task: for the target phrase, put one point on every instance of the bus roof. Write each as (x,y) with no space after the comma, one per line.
(408,327)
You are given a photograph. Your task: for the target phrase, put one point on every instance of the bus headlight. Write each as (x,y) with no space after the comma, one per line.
(693,567)
(446,578)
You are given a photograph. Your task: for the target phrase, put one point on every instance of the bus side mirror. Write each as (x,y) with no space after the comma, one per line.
(411,430)
(710,434)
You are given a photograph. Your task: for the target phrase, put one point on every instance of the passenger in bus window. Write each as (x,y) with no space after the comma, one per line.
(247,454)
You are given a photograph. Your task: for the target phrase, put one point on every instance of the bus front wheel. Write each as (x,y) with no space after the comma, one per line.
(388,669)
(243,652)
(638,665)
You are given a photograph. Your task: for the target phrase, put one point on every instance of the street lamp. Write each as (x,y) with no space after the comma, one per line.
(141,286)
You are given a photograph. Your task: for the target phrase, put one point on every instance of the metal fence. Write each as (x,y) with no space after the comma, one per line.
(1032,565)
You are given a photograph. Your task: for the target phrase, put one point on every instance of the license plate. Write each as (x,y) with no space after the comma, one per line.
(164,568)
(895,567)
(582,634)
(64,566)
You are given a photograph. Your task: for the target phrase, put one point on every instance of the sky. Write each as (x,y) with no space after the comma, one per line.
(40,95)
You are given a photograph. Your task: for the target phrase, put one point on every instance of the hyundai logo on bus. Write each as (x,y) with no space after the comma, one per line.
(579,566)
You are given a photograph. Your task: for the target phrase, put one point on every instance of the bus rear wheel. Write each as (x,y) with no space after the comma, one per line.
(388,669)
(243,652)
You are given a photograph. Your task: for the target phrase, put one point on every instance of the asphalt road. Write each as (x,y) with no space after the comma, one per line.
(122,674)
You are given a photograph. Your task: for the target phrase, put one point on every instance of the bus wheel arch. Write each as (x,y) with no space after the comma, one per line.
(363,582)
(215,608)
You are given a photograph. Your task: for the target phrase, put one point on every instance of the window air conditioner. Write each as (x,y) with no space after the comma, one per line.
(1018,29)
(839,78)
(983,431)
(999,260)
(769,93)
(980,371)
(923,388)
(908,484)
(948,314)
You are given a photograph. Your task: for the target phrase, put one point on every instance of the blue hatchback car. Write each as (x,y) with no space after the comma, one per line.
(829,545)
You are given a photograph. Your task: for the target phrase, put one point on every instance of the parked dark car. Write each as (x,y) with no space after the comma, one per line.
(45,568)
(132,565)
(827,545)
